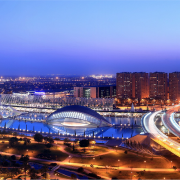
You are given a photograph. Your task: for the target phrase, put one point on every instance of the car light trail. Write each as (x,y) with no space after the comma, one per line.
(157,135)
(170,123)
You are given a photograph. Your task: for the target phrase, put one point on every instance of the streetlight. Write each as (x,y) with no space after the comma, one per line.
(106,168)
(179,149)
(69,158)
(118,162)
(116,148)
(131,175)
(93,158)
(145,164)
(171,164)
(8,149)
(27,151)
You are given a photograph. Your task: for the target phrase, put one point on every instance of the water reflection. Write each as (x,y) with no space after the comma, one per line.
(129,120)
(103,131)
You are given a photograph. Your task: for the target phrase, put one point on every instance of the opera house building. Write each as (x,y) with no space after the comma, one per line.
(77,116)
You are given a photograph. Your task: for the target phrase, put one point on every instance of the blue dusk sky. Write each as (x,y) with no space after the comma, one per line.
(88,36)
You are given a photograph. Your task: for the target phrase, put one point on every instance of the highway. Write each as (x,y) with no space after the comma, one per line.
(169,121)
(148,123)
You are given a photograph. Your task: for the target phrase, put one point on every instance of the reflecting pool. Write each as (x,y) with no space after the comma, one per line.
(101,131)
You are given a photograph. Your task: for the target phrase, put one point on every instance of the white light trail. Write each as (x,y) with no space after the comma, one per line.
(156,134)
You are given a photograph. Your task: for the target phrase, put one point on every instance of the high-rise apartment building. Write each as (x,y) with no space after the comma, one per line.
(132,85)
(158,85)
(140,85)
(174,86)
(124,86)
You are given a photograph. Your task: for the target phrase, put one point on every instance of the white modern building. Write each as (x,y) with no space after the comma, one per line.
(77,116)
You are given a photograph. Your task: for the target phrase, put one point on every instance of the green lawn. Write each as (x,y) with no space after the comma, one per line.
(33,150)
(175,160)
(126,160)
(4,138)
(91,150)
(135,175)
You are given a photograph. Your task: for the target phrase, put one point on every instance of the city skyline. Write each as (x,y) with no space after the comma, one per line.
(89,89)
(88,37)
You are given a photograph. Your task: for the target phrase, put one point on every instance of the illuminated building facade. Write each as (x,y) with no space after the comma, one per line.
(124,86)
(77,116)
(158,87)
(174,86)
(87,92)
(132,85)
(95,92)
(140,85)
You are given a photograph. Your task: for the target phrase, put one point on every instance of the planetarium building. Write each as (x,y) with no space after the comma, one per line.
(77,116)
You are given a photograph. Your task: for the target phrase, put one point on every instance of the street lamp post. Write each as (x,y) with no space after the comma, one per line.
(8,149)
(106,168)
(118,162)
(94,159)
(69,158)
(171,164)
(93,163)
(145,164)
(27,151)
(116,148)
